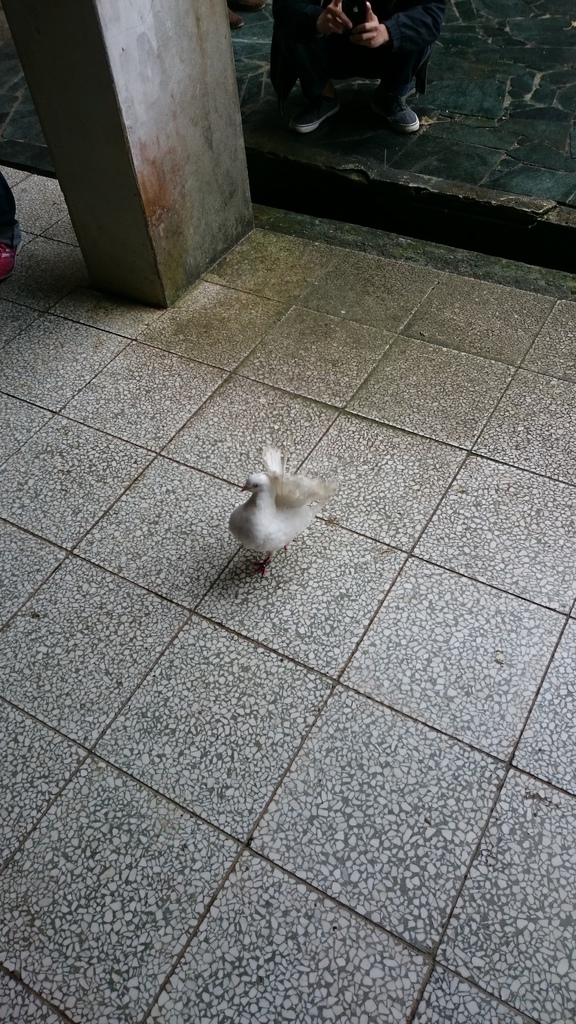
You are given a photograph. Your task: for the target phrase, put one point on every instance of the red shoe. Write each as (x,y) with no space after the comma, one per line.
(8,254)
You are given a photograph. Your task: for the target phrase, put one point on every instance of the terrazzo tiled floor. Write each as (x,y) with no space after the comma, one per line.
(345,792)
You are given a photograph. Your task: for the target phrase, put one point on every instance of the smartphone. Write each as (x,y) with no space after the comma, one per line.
(355,10)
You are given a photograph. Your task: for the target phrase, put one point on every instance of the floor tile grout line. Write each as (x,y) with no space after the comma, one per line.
(230,378)
(492,586)
(509,768)
(36,590)
(420,994)
(145,1016)
(450,346)
(20,330)
(539,690)
(506,769)
(408,554)
(305,736)
(53,312)
(284,655)
(535,340)
(142,680)
(184,426)
(204,362)
(347,688)
(16,451)
(262,645)
(247,844)
(61,1014)
(363,918)
(338,410)
(330,678)
(486,993)
(395,331)
(82,537)
(88,748)
(489,419)
(91,754)
(61,790)
(347,661)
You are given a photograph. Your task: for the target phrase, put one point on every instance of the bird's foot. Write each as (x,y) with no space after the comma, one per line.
(262,567)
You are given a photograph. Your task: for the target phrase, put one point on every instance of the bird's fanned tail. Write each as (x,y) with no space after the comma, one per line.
(294,491)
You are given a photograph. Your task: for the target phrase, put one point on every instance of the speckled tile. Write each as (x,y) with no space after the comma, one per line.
(382,814)
(64,478)
(316,601)
(18,422)
(390,482)
(62,231)
(273,950)
(513,928)
(508,528)
(373,291)
(548,746)
(533,427)
(47,270)
(215,324)
(168,533)
(432,390)
(100,901)
(449,999)
(26,562)
(87,306)
(74,653)
(228,434)
(39,203)
(13,175)
(35,763)
(316,355)
(17,1004)
(457,655)
(554,350)
(50,360)
(144,395)
(277,266)
(216,724)
(485,319)
(13,319)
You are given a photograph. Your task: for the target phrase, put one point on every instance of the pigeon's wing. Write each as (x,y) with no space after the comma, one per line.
(295,491)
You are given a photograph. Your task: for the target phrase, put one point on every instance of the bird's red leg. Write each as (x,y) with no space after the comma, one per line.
(262,567)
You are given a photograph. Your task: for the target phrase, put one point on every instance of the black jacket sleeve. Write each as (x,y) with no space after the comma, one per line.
(412,26)
(416,28)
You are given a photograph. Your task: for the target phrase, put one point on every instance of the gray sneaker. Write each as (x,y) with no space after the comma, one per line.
(395,111)
(316,111)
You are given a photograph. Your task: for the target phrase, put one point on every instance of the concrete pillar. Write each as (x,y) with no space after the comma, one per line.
(138,102)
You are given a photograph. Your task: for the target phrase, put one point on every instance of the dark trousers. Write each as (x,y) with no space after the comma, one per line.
(9,228)
(325,57)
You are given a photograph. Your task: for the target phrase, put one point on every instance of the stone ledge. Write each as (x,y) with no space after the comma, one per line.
(480,266)
(313,180)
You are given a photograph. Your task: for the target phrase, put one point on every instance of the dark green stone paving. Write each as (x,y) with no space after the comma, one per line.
(498,121)
(500,109)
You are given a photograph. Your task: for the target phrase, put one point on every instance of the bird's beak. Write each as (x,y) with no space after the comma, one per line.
(245,488)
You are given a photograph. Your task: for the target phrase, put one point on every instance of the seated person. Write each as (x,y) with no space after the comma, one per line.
(315,41)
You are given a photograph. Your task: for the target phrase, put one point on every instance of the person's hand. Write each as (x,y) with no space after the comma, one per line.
(333,20)
(372,33)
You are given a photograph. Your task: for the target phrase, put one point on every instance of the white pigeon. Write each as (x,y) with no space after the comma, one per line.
(280,507)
